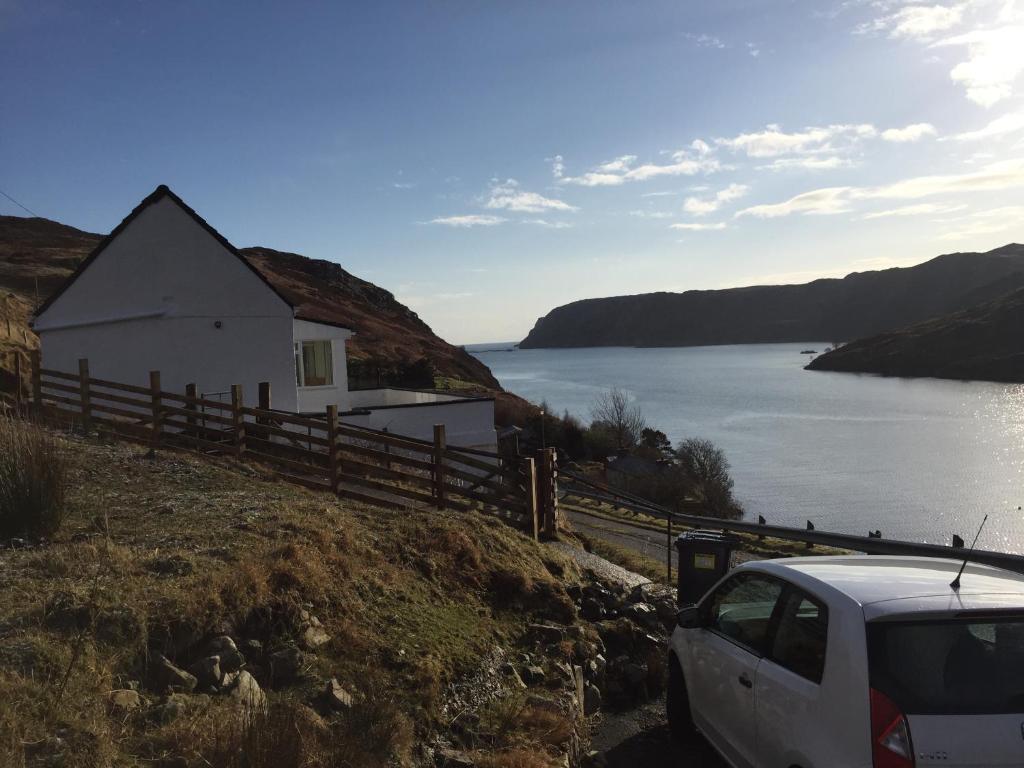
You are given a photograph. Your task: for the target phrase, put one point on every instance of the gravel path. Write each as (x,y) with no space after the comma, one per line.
(605,571)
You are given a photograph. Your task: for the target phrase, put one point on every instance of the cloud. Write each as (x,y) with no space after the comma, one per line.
(685,162)
(986,223)
(557,166)
(703,206)
(652,214)
(916,21)
(995,58)
(659,194)
(819,201)
(548,224)
(914,210)
(910,133)
(508,196)
(774,142)
(995,176)
(808,163)
(1008,123)
(469,220)
(754,49)
(704,40)
(698,227)
(403,185)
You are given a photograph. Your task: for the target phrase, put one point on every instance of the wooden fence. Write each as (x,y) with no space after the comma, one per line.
(316,451)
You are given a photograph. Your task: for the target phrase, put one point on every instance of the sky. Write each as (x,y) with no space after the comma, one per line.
(489,161)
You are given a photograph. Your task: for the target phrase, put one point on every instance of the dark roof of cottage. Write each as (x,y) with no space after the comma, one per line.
(156,195)
(635,466)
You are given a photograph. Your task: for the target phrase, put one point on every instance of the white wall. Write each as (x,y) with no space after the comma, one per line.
(316,399)
(468,423)
(368,398)
(150,301)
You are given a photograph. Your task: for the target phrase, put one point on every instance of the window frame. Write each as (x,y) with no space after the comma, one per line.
(300,364)
(791,592)
(773,618)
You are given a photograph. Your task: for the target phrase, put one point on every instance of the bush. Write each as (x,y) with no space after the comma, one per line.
(706,471)
(33,480)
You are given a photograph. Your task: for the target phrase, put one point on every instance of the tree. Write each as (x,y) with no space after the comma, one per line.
(655,444)
(623,419)
(706,471)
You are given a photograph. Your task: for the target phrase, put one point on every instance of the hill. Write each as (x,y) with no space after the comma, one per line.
(37,255)
(983,342)
(858,305)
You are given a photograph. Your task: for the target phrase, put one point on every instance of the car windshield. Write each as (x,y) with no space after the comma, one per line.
(953,667)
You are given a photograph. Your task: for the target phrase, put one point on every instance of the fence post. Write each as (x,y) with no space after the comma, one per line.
(438,465)
(156,415)
(238,418)
(332,447)
(191,391)
(547,489)
(530,466)
(17,382)
(37,380)
(83,394)
(264,401)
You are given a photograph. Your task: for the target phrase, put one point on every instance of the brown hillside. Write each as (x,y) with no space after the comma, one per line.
(37,255)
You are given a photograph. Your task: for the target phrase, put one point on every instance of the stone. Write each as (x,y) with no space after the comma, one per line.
(207,672)
(287,666)
(595,759)
(509,671)
(171,678)
(575,632)
(231,659)
(246,690)
(313,637)
(337,698)
(175,705)
(634,674)
(591,699)
(549,634)
(591,609)
(532,675)
(253,649)
(446,757)
(583,650)
(124,701)
(644,615)
(617,636)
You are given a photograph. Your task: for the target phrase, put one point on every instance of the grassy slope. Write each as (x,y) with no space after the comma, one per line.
(159,554)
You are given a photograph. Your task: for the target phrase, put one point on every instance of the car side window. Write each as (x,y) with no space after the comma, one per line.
(802,636)
(741,609)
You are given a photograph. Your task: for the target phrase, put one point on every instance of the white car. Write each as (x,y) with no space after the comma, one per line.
(854,662)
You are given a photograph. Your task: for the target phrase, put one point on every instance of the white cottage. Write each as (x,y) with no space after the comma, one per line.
(165,291)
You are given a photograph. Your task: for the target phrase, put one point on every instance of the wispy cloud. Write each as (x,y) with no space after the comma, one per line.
(985,223)
(812,163)
(699,206)
(916,21)
(1008,123)
(704,40)
(913,132)
(774,142)
(640,214)
(685,162)
(548,224)
(507,195)
(914,210)
(995,176)
(691,226)
(469,220)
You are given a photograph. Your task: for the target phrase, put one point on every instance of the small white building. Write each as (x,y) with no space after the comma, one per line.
(164,291)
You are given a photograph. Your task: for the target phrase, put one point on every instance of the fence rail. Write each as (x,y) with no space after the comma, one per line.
(872,544)
(319,452)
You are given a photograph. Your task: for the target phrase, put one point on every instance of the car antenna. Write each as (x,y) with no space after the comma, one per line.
(955,583)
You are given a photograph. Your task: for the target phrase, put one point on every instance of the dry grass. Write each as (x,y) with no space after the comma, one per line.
(33,480)
(158,555)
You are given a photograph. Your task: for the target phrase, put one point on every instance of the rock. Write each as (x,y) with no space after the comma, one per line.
(644,615)
(287,666)
(509,671)
(617,636)
(574,591)
(337,698)
(595,759)
(591,699)
(532,675)
(253,649)
(447,757)
(51,752)
(575,632)
(231,659)
(634,674)
(583,650)
(124,701)
(549,634)
(602,595)
(246,690)
(591,609)
(171,678)
(207,672)
(177,704)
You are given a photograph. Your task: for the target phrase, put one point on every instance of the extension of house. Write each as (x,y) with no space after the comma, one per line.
(164,291)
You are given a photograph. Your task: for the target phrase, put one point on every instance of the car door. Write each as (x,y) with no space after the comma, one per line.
(790,706)
(724,657)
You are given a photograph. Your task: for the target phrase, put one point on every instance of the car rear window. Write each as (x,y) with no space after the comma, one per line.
(962,666)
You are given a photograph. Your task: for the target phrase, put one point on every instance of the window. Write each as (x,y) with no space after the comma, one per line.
(742,608)
(801,637)
(314,366)
(972,665)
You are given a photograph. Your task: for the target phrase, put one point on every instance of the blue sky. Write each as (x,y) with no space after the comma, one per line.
(489,161)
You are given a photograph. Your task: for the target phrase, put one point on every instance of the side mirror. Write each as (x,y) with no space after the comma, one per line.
(689,617)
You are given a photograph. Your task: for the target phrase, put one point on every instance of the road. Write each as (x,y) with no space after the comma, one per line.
(646,542)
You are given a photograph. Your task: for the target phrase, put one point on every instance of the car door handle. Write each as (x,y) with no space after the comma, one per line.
(745,681)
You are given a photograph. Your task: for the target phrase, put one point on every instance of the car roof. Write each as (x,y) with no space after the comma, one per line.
(887,585)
